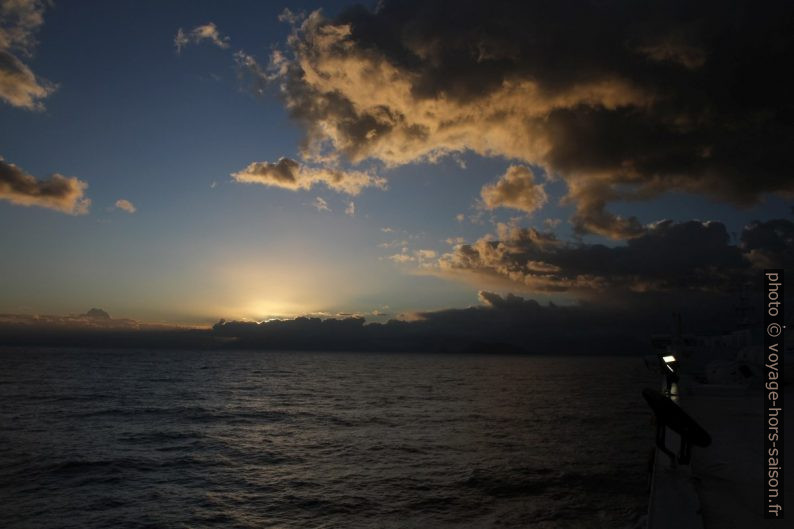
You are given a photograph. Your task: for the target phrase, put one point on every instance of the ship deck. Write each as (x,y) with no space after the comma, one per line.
(723,486)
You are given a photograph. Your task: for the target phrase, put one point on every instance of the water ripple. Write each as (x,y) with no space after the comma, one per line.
(93,439)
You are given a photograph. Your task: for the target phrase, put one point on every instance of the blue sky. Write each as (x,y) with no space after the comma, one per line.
(136,120)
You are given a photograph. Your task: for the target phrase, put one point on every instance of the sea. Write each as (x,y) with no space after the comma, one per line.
(258,439)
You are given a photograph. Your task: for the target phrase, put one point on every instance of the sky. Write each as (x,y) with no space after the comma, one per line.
(183,162)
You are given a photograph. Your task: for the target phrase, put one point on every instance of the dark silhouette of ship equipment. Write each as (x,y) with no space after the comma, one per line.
(670,415)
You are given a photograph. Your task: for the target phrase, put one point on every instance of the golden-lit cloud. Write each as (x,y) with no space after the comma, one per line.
(126,205)
(208,32)
(363,105)
(289,174)
(424,258)
(402,258)
(61,193)
(654,103)
(19,86)
(515,189)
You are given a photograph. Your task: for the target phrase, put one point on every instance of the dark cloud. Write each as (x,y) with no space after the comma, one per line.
(499,324)
(625,100)
(769,244)
(668,257)
(96,328)
(61,193)
(19,86)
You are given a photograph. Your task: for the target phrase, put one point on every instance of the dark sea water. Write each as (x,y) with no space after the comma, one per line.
(261,439)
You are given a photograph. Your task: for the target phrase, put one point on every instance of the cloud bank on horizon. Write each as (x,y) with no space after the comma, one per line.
(500,323)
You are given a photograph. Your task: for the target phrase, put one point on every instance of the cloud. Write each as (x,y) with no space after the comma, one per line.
(551,223)
(95,318)
(19,86)
(769,244)
(395,243)
(623,101)
(125,205)
(424,258)
(94,328)
(320,204)
(289,174)
(687,257)
(515,189)
(61,193)
(350,210)
(500,323)
(19,19)
(208,32)
(402,258)
(291,17)
(180,40)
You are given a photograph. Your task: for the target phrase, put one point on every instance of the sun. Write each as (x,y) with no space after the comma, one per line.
(271,309)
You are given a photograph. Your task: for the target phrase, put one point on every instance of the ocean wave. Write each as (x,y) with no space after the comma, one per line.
(325,441)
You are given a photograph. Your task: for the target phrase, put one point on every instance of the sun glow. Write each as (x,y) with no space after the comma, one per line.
(267,290)
(263,310)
